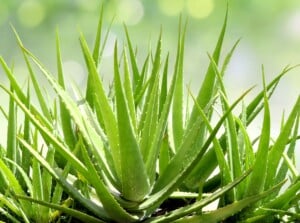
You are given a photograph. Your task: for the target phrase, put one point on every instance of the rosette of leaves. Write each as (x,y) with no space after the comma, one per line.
(134,152)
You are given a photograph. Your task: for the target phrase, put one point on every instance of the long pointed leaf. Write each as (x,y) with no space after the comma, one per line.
(279,146)
(135,184)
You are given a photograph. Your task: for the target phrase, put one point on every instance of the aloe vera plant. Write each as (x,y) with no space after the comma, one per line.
(135,152)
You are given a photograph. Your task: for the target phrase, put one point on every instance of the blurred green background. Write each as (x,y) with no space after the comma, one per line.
(269,32)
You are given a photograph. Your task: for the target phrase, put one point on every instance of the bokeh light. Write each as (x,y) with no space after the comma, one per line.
(199,9)
(31,13)
(130,11)
(293,25)
(171,7)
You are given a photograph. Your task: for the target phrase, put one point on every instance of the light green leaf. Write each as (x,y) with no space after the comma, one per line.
(72,212)
(177,112)
(135,185)
(257,178)
(222,213)
(198,205)
(276,151)
(183,162)
(65,117)
(104,108)
(11,150)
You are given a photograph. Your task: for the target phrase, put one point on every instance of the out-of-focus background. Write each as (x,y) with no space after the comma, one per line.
(269,32)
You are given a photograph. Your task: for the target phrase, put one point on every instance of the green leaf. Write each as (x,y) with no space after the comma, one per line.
(65,116)
(283,169)
(18,91)
(258,176)
(129,93)
(164,86)
(14,186)
(254,107)
(205,93)
(276,151)
(135,185)
(223,213)
(11,151)
(224,168)
(177,113)
(115,211)
(282,201)
(36,85)
(150,122)
(134,67)
(198,205)
(72,212)
(26,157)
(231,139)
(204,98)
(209,161)
(183,162)
(106,197)
(151,82)
(103,104)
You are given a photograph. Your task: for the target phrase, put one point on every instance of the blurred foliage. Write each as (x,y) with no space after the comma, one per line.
(270,30)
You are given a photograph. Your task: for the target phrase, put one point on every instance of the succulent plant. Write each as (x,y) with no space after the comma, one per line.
(143,149)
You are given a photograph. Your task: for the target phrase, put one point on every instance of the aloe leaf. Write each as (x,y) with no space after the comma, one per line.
(291,166)
(135,184)
(11,151)
(177,111)
(282,172)
(164,155)
(72,212)
(14,186)
(140,87)
(224,168)
(90,205)
(248,148)
(18,91)
(129,93)
(209,161)
(65,117)
(37,183)
(58,190)
(35,83)
(95,56)
(44,130)
(134,67)
(198,205)
(254,107)
(150,83)
(279,146)
(183,162)
(150,122)
(231,137)
(282,201)
(206,91)
(258,176)
(107,114)
(23,174)
(83,124)
(205,95)
(26,157)
(97,43)
(227,211)
(160,131)
(11,210)
(115,211)
(164,86)
(47,182)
